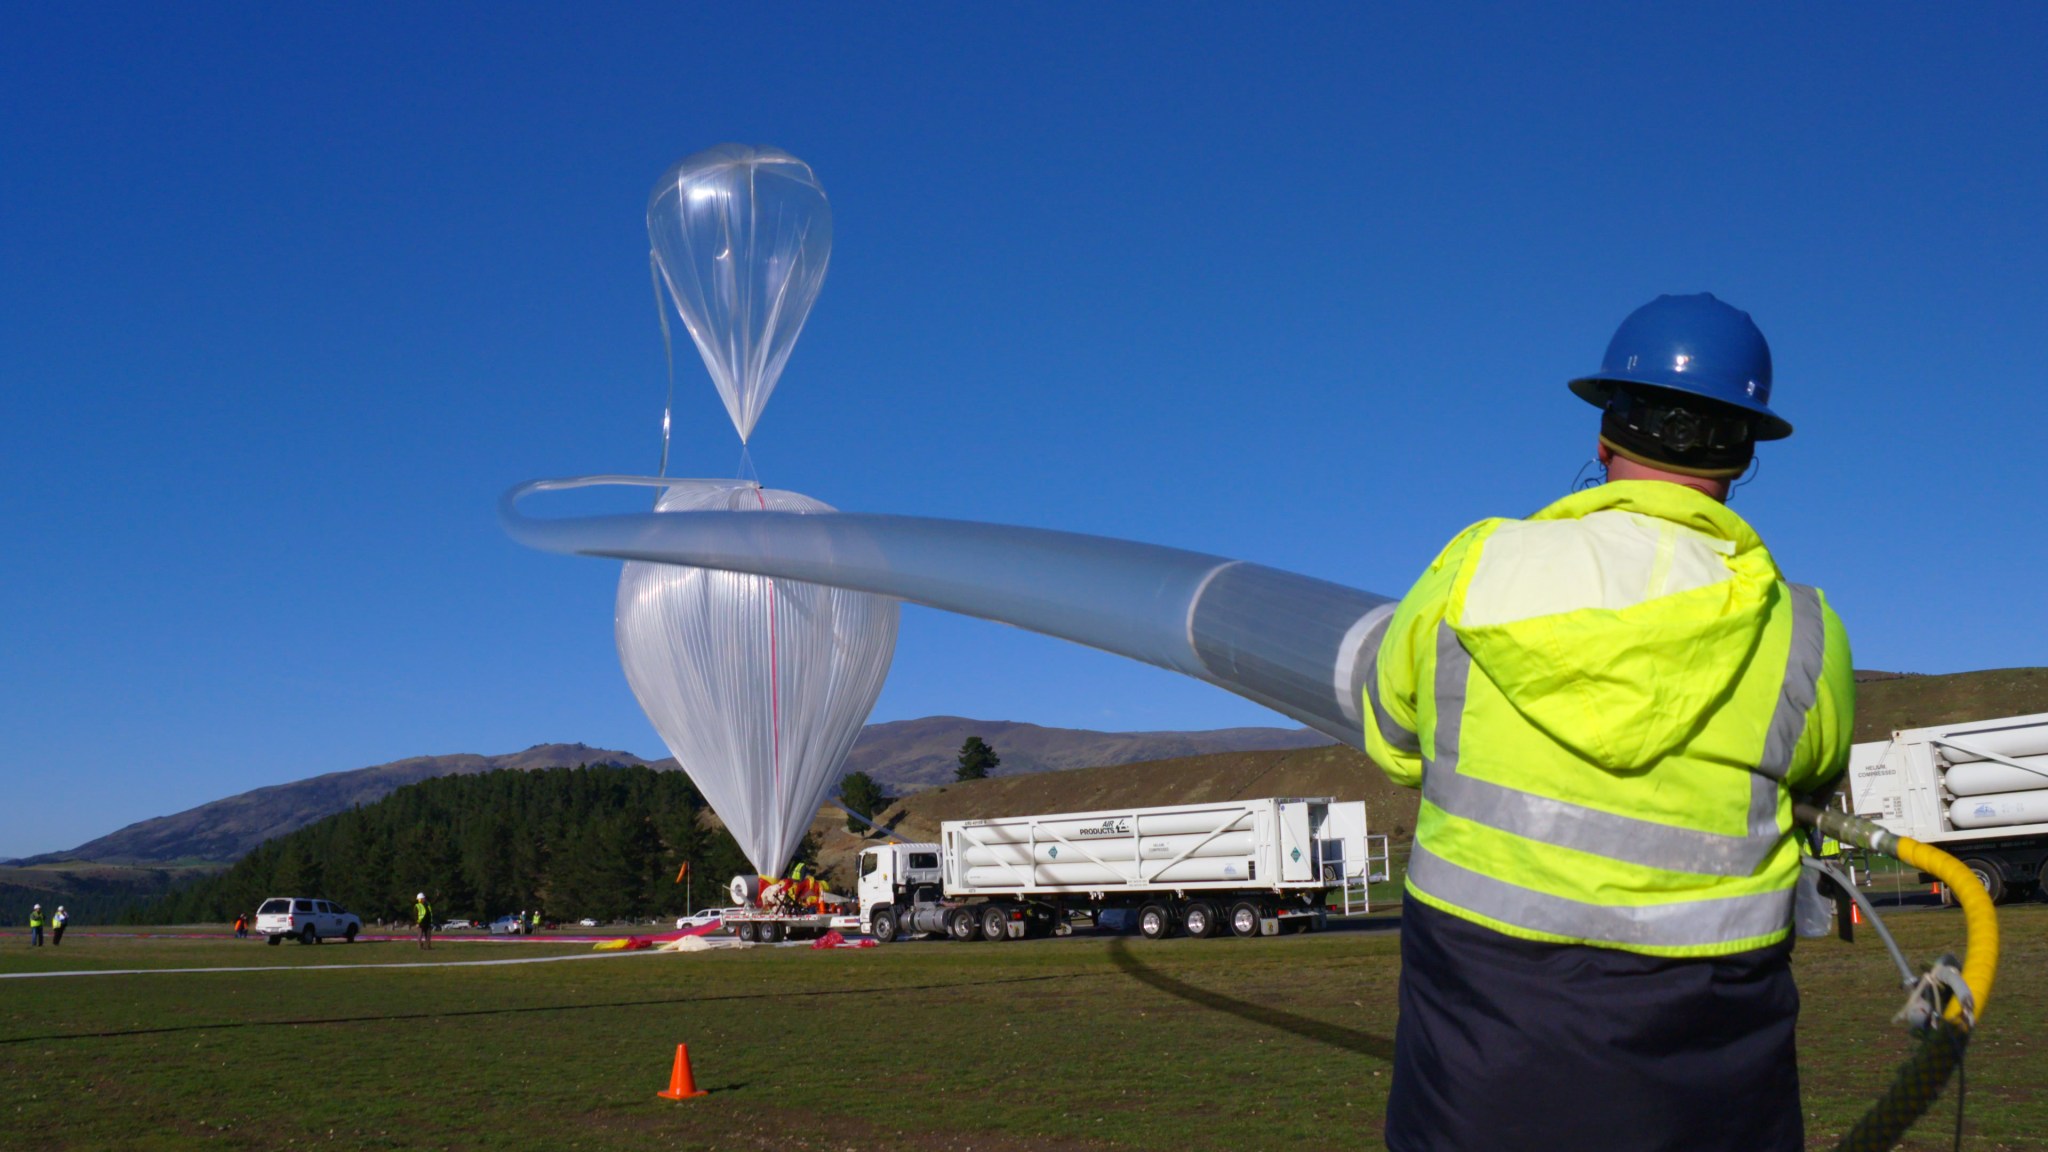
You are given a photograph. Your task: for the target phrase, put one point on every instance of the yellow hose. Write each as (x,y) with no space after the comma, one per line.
(1940,1049)
(1980,920)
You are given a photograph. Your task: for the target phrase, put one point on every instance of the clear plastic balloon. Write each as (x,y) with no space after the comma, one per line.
(758,685)
(742,236)
(1295,644)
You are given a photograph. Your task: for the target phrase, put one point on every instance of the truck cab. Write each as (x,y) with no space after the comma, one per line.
(895,874)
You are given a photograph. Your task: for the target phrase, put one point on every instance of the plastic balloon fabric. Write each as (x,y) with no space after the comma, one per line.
(1293,643)
(758,685)
(742,237)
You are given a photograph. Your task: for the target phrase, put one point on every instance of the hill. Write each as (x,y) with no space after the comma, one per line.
(1334,770)
(903,755)
(227,829)
(907,755)
(88,891)
(1887,702)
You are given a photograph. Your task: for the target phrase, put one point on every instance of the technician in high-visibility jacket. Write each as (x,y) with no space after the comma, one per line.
(1609,707)
(35,926)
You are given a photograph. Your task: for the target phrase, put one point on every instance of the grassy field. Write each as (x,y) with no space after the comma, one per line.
(1079,1043)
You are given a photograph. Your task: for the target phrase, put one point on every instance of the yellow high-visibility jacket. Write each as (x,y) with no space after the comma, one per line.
(1608,707)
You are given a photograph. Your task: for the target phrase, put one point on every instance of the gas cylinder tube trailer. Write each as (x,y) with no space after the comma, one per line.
(1977,789)
(1230,868)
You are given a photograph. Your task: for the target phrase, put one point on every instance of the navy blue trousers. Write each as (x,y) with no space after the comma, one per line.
(1508,1044)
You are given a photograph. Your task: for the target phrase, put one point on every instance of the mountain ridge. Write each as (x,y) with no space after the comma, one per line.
(903,755)
(911,756)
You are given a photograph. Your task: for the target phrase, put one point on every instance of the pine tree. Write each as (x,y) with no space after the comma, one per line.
(977,758)
(863,797)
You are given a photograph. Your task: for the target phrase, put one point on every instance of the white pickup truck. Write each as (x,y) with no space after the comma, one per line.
(307,920)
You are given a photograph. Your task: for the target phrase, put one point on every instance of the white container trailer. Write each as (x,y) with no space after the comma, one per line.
(1238,867)
(1978,790)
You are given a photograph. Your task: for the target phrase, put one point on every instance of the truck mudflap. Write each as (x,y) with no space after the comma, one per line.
(1286,916)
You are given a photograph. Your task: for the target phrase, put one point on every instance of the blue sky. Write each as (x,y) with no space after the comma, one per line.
(288,296)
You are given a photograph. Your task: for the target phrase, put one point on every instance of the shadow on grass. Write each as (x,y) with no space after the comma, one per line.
(231,1025)
(1306,1027)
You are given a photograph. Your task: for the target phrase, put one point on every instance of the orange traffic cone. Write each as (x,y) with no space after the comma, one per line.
(682,1085)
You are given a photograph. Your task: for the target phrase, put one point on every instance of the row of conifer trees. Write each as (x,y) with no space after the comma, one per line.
(599,841)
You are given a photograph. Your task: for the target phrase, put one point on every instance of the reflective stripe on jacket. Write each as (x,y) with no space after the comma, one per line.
(1608,707)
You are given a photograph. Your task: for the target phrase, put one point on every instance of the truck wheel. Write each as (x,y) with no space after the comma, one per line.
(995,923)
(962,924)
(1155,922)
(273,940)
(309,935)
(1244,919)
(349,934)
(1199,920)
(772,932)
(883,926)
(1989,876)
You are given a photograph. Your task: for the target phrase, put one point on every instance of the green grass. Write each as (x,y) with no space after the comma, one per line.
(1081,1043)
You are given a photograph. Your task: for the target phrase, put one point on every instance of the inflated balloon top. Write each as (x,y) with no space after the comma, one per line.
(742,236)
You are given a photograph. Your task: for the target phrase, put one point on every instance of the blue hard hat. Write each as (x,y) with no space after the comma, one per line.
(1693,344)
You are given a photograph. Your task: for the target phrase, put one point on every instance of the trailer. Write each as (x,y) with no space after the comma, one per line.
(768,911)
(1978,790)
(1234,867)
(772,926)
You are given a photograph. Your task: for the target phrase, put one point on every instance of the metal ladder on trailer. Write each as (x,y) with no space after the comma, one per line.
(1352,889)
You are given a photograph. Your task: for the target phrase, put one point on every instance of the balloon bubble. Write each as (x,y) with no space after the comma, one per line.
(742,236)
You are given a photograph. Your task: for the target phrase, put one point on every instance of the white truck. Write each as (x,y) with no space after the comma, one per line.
(1977,790)
(307,920)
(1234,867)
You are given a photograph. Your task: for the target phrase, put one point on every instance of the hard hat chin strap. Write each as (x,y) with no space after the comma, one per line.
(1696,438)
(1665,465)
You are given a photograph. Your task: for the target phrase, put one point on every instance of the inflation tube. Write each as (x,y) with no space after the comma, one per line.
(1295,644)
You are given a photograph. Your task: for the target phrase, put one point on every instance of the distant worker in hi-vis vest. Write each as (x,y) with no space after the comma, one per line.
(35,926)
(1609,706)
(423,914)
